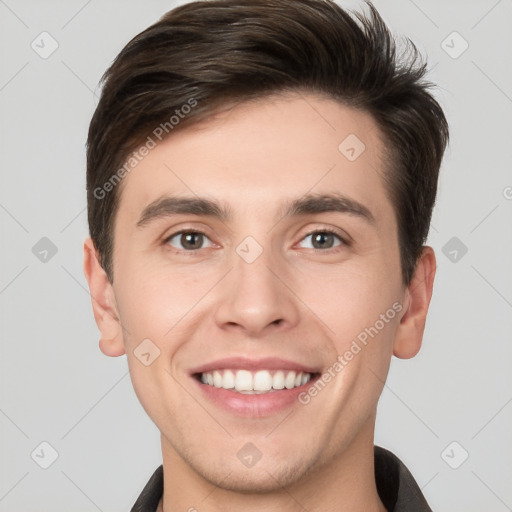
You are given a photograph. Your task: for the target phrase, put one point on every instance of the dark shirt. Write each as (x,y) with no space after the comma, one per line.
(396,486)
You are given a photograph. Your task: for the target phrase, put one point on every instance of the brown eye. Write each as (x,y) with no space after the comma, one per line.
(187,240)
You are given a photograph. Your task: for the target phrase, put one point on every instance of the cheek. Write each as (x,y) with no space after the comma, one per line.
(152,303)
(145,382)
(350,300)
(358,309)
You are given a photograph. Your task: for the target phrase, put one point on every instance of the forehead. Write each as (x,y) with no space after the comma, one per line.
(260,152)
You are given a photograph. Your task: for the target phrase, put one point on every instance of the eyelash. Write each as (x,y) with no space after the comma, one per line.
(344,241)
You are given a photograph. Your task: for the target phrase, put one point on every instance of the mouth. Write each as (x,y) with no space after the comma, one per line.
(254,383)
(251,388)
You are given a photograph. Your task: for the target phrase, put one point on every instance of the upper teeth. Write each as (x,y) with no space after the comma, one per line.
(262,380)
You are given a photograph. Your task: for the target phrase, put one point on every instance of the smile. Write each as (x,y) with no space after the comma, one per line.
(253,388)
(259,382)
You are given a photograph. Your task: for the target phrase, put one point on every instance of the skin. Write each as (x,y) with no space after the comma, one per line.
(199,306)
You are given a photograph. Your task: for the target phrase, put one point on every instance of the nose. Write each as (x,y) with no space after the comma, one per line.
(257,297)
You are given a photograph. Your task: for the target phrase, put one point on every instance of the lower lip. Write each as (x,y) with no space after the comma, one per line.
(253,406)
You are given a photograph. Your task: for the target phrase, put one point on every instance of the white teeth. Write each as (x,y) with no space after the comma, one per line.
(243,381)
(262,381)
(278,380)
(228,380)
(217,379)
(289,381)
(305,378)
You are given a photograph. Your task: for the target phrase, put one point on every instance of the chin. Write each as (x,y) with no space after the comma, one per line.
(261,478)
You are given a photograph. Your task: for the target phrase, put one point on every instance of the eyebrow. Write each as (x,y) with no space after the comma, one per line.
(308,204)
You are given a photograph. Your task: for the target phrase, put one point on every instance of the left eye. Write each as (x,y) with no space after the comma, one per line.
(323,239)
(189,240)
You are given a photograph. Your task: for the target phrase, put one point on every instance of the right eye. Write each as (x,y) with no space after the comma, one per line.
(190,240)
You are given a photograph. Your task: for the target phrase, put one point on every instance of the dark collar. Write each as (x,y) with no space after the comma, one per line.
(396,486)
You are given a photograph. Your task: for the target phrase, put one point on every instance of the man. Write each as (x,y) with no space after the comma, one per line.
(261,176)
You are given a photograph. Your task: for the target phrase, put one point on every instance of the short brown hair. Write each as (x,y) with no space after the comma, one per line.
(209,53)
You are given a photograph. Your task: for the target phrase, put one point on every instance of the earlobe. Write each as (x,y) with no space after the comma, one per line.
(409,333)
(103,303)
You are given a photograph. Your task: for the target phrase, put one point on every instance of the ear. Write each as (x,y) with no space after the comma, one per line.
(409,333)
(103,302)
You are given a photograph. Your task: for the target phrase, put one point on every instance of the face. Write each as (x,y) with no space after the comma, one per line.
(281,270)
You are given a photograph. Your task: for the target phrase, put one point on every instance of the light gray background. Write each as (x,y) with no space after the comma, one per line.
(56,386)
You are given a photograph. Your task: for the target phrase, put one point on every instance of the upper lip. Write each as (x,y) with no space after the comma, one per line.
(245,363)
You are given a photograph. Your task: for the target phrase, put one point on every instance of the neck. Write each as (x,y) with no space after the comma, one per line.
(343,483)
